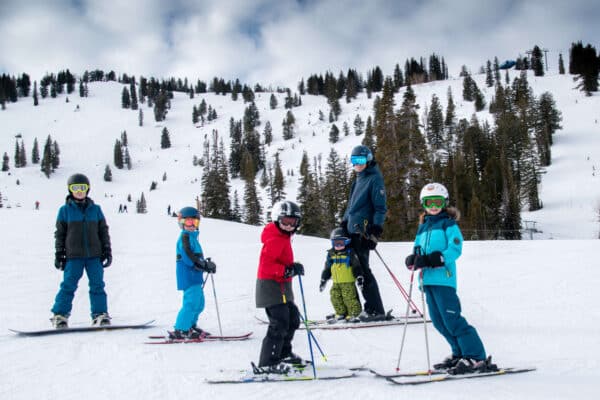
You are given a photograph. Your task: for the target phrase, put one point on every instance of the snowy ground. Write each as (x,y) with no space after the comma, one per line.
(532,302)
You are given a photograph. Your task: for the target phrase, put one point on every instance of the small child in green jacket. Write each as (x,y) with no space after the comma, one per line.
(343,267)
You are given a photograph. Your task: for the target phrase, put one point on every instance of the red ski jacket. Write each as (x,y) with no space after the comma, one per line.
(276,253)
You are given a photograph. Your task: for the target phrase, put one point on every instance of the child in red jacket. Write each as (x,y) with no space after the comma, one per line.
(274,289)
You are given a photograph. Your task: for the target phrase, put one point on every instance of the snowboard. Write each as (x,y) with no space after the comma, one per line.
(59,331)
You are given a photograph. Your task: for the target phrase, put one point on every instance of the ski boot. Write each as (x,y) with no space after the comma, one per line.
(469,366)
(60,321)
(279,368)
(449,362)
(101,319)
(196,333)
(294,360)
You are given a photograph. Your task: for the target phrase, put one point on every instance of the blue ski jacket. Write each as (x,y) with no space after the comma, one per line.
(440,233)
(189,253)
(367,200)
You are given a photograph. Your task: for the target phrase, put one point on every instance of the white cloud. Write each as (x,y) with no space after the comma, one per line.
(279,42)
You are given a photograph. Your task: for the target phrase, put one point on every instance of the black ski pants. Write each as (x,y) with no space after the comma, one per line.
(284,319)
(370,290)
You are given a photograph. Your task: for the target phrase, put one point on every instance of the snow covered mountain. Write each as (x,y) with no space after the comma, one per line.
(531,301)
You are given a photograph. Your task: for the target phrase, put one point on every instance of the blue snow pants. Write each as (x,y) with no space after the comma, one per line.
(444,311)
(193,304)
(74,268)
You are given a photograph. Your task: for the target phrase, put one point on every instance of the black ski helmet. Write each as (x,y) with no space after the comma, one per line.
(78,178)
(364,151)
(286,208)
(338,233)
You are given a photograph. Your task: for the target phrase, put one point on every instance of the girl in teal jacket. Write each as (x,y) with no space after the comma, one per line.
(438,245)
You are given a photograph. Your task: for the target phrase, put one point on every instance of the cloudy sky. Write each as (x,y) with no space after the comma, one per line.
(280,41)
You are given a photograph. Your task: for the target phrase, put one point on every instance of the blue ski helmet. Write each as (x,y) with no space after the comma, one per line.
(361,153)
(188,212)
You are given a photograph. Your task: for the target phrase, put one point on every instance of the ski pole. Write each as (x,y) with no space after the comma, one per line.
(412,275)
(425,325)
(212,280)
(312,335)
(312,357)
(412,304)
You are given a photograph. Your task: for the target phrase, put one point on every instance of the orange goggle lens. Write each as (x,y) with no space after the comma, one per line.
(195,222)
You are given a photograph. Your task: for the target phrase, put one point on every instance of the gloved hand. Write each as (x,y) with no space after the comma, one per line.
(211,267)
(106,257)
(436,259)
(293,269)
(410,261)
(60,260)
(360,282)
(322,285)
(372,242)
(375,230)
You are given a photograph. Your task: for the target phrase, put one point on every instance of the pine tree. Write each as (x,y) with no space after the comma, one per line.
(236,210)
(547,121)
(165,140)
(273,102)
(35,152)
(141,206)
(288,126)
(140,117)
(127,158)
(46,164)
(107,174)
(125,98)
(278,186)
(497,71)
(309,200)
(5,161)
(334,134)
(358,125)
(268,133)
(23,155)
(489,78)
(537,61)
(133,95)
(35,94)
(335,190)
(55,155)
(17,157)
(253,208)
(215,180)
(369,140)
(435,125)
(118,154)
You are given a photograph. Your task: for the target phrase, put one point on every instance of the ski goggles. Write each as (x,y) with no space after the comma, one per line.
(78,187)
(342,242)
(434,201)
(189,222)
(358,160)
(288,221)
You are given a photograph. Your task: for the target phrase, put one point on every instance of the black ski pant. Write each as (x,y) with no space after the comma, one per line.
(370,290)
(284,319)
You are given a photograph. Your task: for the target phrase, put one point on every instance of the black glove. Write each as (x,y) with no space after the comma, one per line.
(200,265)
(322,285)
(211,267)
(106,257)
(410,261)
(375,230)
(60,260)
(293,269)
(372,242)
(360,281)
(436,259)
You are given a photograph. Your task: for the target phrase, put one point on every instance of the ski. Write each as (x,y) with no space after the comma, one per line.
(331,325)
(448,377)
(405,374)
(298,374)
(162,339)
(74,329)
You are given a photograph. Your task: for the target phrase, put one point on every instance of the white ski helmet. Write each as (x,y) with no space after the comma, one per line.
(434,189)
(286,208)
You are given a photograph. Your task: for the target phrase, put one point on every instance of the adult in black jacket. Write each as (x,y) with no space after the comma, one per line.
(363,220)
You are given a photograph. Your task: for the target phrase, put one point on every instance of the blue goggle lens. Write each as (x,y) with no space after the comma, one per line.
(358,160)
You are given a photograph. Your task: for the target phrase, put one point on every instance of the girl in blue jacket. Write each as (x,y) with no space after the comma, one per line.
(191,266)
(438,245)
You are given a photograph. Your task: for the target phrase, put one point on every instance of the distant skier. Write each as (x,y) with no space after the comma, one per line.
(274,289)
(191,266)
(82,243)
(363,221)
(343,267)
(437,246)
